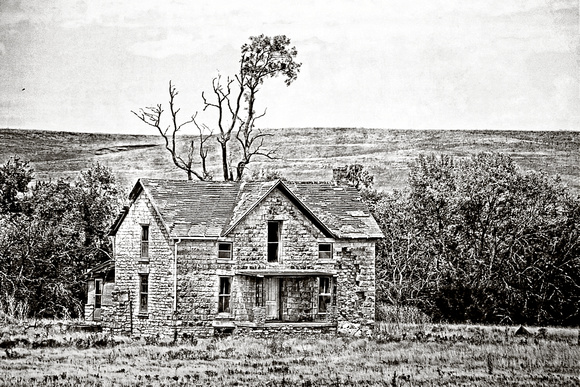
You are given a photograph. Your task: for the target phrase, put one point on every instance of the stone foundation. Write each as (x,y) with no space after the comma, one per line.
(290,330)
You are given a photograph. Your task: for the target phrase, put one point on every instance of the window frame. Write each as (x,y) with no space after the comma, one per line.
(260,291)
(329,253)
(223,306)
(325,292)
(143,293)
(145,237)
(277,244)
(229,251)
(98,293)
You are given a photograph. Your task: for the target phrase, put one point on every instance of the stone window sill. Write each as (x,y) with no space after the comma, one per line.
(143,315)
(326,261)
(226,261)
(145,261)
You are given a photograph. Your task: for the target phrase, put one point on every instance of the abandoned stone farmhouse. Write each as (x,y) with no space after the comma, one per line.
(196,258)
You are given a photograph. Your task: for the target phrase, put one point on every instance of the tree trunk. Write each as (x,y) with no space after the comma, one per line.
(225,161)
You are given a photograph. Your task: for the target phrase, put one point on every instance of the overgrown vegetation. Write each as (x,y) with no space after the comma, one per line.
(399,355)
(51,232)
(480,240)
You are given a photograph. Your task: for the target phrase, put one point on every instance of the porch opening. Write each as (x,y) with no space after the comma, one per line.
(294,299)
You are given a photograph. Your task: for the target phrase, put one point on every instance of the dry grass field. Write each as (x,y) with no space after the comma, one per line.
(49,354)
(302,154)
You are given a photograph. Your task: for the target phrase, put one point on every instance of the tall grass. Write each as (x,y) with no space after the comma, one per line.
(413,354)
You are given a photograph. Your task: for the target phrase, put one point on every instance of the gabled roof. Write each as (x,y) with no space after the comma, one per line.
(213,209)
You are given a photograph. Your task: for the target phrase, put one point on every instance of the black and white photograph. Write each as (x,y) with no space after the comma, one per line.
(275,193)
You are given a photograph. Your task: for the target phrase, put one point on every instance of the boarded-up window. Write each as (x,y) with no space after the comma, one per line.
(225,251)
(98,293)
(274,241)
(224,295)
(143,293)
(324,294)
(144,241)
(325,250)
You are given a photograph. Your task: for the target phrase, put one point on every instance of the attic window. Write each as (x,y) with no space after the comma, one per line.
(325,250)
(274,240)
(225,251)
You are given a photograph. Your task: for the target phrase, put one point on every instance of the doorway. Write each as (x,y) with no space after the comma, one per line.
(272,298)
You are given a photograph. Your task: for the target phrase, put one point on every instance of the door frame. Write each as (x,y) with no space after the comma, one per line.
(268,281)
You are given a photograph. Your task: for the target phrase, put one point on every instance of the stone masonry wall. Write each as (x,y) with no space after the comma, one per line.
(352,260)
(356,286)
(299,237)
(129,265)
(198,286)
(199,270)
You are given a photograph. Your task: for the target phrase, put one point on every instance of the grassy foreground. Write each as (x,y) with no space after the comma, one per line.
(398,355)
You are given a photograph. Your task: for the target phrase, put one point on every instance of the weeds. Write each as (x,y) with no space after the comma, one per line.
(421,355)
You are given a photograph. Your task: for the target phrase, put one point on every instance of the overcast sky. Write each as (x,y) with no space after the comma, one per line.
(497,64)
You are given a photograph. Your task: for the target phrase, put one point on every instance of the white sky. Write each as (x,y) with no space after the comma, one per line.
(494,64)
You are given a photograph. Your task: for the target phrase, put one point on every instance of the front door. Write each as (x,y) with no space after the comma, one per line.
(272,293)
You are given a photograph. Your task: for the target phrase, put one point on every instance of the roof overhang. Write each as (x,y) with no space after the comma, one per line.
(285,273)
(101,268)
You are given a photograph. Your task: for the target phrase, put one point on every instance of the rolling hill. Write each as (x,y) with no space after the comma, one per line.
(302,154)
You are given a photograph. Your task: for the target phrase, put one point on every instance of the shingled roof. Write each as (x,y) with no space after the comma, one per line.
(213,209)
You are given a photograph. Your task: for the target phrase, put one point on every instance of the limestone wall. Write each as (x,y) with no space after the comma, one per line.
(199,271)
(129,265)
(355,286)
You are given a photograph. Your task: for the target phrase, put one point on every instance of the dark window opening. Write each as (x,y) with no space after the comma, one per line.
(324,294)
(325,250)
(98,293)
(224,295)
(274,241)
(143,293)
(225,251)
(144,241)
(259,291)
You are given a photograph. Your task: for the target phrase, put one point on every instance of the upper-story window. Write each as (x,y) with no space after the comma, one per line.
(225,251)
(325,250)
(144,241)
(274,228)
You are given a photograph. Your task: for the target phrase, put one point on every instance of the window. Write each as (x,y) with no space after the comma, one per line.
(325,250)
(98,293)
(274,241)
(144,241)
(259,291)
(225,251)
(143,293)
(224,295)
(324,294)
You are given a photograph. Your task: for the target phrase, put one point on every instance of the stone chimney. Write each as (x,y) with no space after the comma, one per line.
(339,176)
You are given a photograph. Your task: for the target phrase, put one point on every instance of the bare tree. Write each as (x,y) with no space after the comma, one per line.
(152,117)
(234,101)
